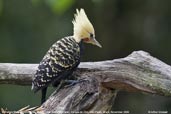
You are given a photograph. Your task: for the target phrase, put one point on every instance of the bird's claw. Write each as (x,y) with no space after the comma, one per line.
(73,82)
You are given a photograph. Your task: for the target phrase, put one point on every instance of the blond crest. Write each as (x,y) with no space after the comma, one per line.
(82,25)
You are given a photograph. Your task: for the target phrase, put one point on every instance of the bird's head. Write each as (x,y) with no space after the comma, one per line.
(83,29)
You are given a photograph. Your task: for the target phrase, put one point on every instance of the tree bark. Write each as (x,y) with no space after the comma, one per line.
(138,72)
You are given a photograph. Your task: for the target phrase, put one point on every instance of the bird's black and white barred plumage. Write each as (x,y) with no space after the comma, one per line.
(58,63)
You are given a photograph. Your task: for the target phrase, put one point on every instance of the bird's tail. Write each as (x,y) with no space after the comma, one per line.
(34,88)
(43,95)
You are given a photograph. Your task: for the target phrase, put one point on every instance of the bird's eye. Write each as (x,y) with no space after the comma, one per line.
(91,35)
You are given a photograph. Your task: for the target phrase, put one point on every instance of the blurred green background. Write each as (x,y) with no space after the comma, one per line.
(29,27)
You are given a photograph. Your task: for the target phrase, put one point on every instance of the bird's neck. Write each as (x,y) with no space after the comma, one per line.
(81,44)
(77,38)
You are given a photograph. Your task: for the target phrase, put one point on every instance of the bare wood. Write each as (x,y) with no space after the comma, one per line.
(138,72)
(20,74)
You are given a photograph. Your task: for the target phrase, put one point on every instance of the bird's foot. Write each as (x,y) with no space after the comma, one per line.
(73,82)
(61,84)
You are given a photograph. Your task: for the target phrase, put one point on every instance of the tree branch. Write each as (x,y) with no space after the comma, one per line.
(20,74)
(138,72)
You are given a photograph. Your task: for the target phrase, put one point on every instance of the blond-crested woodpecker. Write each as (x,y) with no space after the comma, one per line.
(63,57)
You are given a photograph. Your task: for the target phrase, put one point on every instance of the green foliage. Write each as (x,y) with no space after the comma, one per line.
(59,6)
(56,6)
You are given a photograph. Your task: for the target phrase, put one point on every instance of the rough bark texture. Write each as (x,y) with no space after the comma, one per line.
(138,72)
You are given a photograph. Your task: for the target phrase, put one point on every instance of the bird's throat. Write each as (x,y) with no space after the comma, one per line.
(81,44)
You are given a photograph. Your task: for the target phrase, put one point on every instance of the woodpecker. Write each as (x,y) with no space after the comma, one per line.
(63,57)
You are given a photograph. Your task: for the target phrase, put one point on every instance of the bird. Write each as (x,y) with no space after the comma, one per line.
(64,56)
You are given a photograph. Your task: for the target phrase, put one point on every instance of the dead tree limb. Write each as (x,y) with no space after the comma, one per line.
(138,72)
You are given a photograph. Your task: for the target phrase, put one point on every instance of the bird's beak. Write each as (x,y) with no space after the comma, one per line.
(95,42)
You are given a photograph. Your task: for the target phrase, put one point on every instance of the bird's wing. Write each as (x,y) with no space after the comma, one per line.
(62,58)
